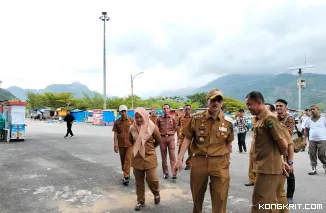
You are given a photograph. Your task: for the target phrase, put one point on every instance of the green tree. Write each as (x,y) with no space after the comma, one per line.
(34,100)
(198,98)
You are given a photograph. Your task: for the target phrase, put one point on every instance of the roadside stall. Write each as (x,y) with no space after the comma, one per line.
(14,115)
(97,117)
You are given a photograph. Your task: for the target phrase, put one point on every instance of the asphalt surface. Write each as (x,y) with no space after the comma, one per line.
(49,174)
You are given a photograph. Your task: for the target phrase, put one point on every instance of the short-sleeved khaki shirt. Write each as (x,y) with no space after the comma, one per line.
(121,127)
(210,136)
(268,130)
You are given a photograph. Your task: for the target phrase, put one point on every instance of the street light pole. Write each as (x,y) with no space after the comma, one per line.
(104,18)
(132,89)
(300,82)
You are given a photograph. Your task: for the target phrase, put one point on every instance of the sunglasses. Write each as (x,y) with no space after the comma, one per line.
(217,99)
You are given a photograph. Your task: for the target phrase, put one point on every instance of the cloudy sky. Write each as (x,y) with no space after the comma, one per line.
(176,44)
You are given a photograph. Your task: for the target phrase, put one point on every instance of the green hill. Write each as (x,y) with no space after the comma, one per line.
(6,95)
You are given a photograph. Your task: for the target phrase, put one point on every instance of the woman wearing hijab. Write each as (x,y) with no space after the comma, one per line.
(145,137)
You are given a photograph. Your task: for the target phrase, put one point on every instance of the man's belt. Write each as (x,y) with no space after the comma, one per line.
(167,135)
(209,156)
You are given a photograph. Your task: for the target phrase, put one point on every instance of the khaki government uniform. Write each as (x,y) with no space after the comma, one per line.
(268,163)
(288,125)
(167,127)
(146,168)
(153,118)
(182,123)
(251,173)
(121,127)
(211,159)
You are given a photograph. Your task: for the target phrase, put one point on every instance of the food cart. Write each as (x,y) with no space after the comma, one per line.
(14,115)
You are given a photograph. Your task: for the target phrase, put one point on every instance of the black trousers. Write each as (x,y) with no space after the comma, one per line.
(69,130)
(242,141)
(290,185)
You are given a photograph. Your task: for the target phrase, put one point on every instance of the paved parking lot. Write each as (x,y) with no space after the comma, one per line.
(50,174)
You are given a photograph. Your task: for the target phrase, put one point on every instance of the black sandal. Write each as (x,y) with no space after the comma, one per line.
(139,206)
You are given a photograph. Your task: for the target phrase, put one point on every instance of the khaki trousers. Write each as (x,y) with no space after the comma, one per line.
(125,158)
(217,170)
(188,161)
(152,182)
(251,173)
(167,145)
(266,191)
(282,195)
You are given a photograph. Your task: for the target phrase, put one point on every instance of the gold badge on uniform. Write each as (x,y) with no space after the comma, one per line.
(202,125)
(223,124)
(201,132)
(201,139)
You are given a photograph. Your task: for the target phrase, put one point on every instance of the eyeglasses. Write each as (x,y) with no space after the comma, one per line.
(217,99)
(187,109)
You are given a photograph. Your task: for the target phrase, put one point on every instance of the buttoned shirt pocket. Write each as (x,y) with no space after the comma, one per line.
(202,135)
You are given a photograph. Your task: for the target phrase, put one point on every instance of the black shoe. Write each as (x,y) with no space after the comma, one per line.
(139,206)
(125,181)
(174,176)
(157,199)
(249,184)
(187,167)
(166,176)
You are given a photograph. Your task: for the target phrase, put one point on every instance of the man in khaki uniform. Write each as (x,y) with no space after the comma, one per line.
(280,191)
(251,173)
(289,123)
(182,123)
(121,142)
(269,146)
(153,116)
(212,134)
(167,126)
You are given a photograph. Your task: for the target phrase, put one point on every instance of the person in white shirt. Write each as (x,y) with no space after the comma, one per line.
(315,131)
(303,120)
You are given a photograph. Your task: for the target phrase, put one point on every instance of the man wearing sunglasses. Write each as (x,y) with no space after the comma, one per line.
(210,134)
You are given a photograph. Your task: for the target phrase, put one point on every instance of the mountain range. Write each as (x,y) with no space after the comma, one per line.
(235,86)
(76,88)
(272,87)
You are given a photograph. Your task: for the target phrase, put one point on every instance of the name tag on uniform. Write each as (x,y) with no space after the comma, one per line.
(223,129)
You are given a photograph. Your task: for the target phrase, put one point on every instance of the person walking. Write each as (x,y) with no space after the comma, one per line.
(121,141)
(242,125)
(167,126)
(303,120)
(182,123)
(69,118)
(289,124)
(269,147)
(210,134)
(145,137)
(315,131)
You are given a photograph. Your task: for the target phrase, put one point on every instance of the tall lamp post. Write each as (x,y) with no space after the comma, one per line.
(104,18)
(0,83)
(132,88)
(301,83)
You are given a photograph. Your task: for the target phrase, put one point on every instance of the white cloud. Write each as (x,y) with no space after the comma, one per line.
(175,43)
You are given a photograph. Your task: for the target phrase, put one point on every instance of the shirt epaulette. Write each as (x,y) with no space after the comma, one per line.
(227,119)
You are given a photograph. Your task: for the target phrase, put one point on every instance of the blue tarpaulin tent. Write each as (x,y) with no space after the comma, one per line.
(131,113)
(108,117)
(79,115)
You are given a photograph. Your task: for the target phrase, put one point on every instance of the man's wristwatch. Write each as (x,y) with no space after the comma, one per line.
(290,163)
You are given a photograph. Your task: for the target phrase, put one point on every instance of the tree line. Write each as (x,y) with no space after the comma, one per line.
(88,102)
